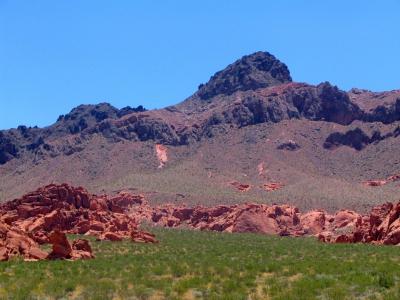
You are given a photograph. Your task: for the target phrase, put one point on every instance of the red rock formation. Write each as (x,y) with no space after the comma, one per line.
(143,237)
(241,187)
(15,242)
(375,182)
(62,249)
(313,222)
(272,186)
(381,182)
(72,210)
(258,218)
(382,226)
(394,177)
(261,169)
(161,152)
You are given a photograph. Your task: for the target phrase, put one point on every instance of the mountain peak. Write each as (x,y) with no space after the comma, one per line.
(257,70)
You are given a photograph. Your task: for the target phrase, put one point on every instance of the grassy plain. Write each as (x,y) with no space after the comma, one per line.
(209,265)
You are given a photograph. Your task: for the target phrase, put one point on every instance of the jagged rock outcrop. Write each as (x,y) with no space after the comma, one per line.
(62,249)
(8,150)
(251,72)
(284,102)
(385,114)
(377,106)
(381,226)
(357,138)
(71,210)
(15,242)
(47,214)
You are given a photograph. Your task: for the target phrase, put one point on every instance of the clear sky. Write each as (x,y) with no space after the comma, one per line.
(55,55)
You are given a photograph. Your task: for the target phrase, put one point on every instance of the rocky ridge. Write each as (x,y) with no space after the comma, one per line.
(46,215)
(255,89)
(381,226)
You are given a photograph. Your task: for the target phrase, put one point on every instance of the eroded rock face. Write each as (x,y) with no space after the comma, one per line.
(258,70)
(62,249)
(313,222)
(15,242)
(382,226)
(255,218)
(48,213)
(255,89)
(45,215)
(357,138)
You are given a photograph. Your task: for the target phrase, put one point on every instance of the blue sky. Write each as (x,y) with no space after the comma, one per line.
(55,55)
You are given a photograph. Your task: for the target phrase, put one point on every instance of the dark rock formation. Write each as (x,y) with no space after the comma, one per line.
(8,150)
(128,110)
(251,72)
(289,101)
(384,114)
(289,146)
(356,138)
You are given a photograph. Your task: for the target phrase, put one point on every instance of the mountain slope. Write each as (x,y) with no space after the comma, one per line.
(249,124)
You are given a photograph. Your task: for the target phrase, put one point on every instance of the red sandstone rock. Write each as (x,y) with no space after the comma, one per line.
(70,210)
(313,222)
(345,218)
(256,222)
(394,177)
(110,236)
(272,186)
(81,249)
(381,182)
(241,187)
(375,182)
(143,237)
(15,242)
(161,152)
(73,210)
(62,249)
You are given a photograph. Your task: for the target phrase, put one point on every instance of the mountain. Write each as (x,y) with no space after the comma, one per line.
(249,133)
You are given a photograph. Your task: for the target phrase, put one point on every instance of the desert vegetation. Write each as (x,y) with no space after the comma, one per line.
(189,264)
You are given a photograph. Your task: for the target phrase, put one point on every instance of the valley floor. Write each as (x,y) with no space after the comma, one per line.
(209,265)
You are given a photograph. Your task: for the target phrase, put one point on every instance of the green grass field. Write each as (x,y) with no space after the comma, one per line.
(208,265)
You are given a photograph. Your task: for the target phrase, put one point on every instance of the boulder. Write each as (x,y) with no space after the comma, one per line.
(15,242)
(143,237)
(256,222)
(62,249)
(313,222)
